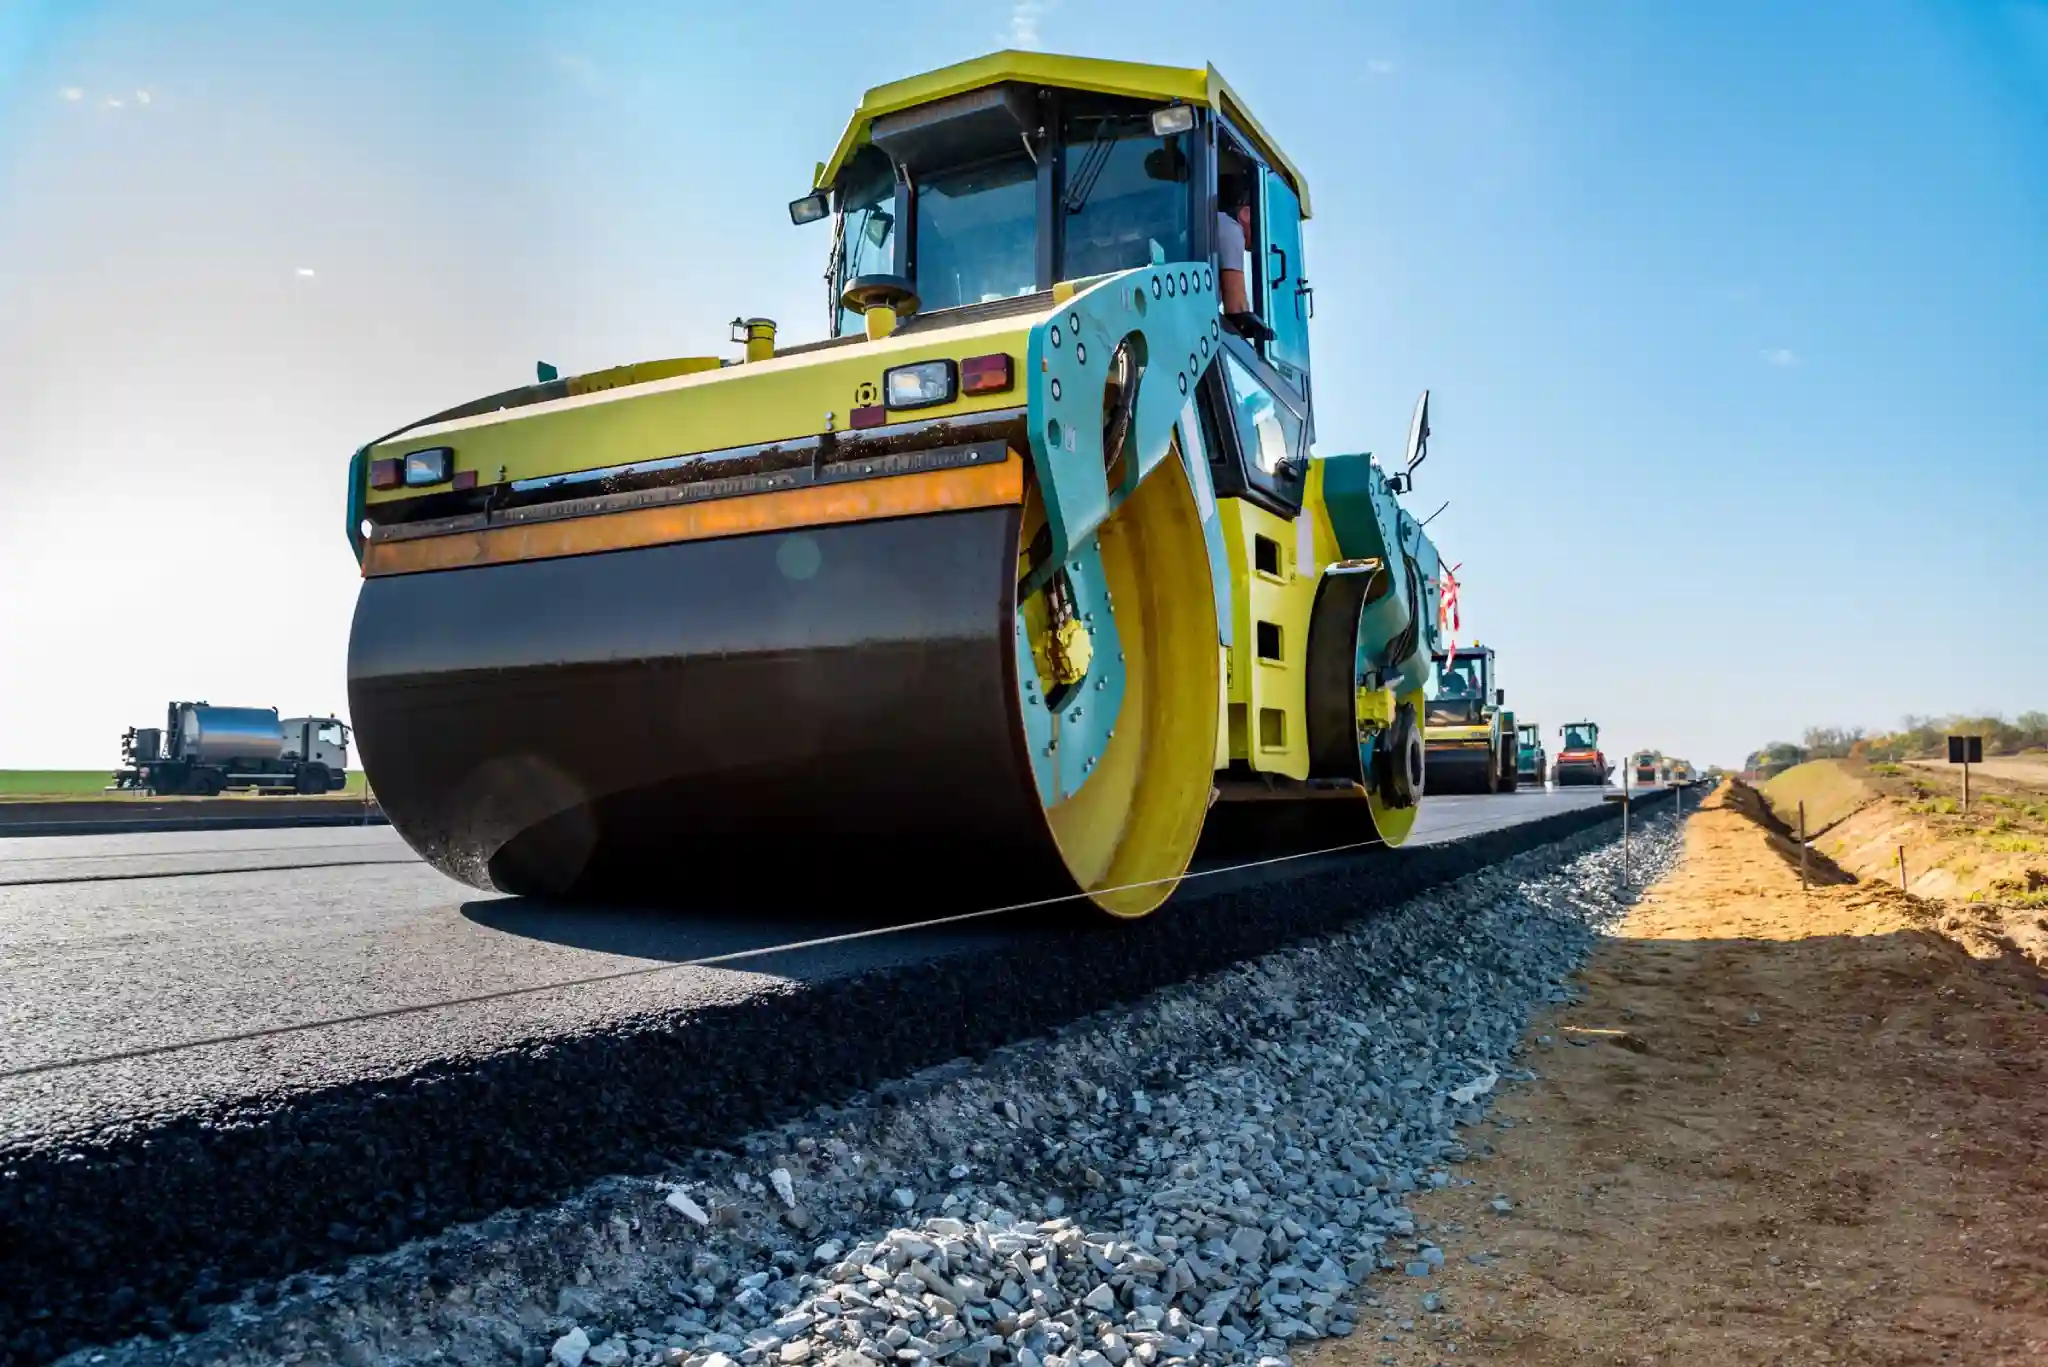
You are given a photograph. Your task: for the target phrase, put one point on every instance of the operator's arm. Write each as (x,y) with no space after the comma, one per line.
(1230,264)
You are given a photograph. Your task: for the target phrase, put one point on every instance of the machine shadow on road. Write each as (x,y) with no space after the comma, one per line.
(677,935)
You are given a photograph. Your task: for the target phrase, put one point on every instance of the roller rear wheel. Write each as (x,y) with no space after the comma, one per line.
(1127,832)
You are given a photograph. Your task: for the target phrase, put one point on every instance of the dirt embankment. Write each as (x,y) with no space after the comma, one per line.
(1781,1126)
(1989,865)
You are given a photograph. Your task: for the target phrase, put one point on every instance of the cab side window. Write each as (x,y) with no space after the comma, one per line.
(1257,433)
(1285,295)
(1267,431)
(1264,291)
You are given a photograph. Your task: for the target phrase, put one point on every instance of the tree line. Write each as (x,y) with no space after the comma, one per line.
(1917,737)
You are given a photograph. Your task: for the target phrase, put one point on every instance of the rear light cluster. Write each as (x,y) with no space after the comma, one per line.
(927,384)
(421,470)
(986,374)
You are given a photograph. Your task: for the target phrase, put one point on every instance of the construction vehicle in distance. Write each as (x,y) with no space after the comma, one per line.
(1472,746)
(1532,762)
(1681,772)
(1645,766)
(1579,758)
(1009,589)
(202,750)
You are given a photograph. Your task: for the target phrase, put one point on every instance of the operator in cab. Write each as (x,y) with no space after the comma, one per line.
(1233,232)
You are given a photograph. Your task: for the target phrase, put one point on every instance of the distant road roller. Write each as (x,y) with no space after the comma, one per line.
(1472,746)
(1533,760)
(998,593)
(1579,757)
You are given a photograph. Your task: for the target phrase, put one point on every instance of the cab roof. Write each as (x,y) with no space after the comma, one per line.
(1135,80)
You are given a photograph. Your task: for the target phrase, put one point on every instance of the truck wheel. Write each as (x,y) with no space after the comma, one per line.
(313,780)
(208,782)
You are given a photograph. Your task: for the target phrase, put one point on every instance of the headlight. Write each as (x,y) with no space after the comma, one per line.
(1178,118)
(428,467)
(920,385)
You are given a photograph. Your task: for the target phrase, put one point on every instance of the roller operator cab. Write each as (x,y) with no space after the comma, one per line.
(1645,765)
(1532,761)
(1472,746)
(1579,757)
(1011,587)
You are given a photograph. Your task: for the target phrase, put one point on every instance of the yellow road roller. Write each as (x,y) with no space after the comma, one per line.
(1005,590)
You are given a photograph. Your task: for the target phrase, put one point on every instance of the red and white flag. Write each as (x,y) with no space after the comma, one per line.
(1447,611)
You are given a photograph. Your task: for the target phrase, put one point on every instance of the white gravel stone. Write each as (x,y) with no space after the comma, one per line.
(571,1348)
(679,1200)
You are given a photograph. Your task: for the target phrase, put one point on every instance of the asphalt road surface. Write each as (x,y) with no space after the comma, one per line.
(144,976)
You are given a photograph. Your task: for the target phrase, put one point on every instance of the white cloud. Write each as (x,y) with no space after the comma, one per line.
(115,104)
(72,93)
(142,97)
(1024,18)
(1782,357)
(1380,66)
(305,272)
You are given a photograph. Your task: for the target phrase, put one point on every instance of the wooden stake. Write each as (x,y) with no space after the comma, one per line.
(1803,884)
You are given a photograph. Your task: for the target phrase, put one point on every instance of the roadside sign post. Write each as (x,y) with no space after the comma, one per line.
(1966,751)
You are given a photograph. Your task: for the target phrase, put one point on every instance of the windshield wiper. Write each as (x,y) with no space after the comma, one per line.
(1091,168)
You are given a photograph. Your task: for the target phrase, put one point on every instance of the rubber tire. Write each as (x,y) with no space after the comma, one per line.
(312,781)
(208,782)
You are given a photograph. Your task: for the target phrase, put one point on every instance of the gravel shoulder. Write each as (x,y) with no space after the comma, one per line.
(1777,1126)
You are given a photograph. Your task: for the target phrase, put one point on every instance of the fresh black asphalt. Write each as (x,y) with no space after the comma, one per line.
(231,1056)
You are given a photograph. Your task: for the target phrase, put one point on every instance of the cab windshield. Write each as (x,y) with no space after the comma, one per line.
(1581,738)
(1530,735)
(1456,678)
(1124,200)
(977,233)
(866,242)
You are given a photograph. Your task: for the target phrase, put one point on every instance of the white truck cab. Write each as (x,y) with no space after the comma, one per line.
(317,740)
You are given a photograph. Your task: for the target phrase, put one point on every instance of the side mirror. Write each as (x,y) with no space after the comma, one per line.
(1418,435)
(810,208)
(1500,696)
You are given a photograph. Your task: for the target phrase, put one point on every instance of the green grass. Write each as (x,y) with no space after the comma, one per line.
(54,782)
(1888,769)
(34,784)
(1937,806)
(2017,844)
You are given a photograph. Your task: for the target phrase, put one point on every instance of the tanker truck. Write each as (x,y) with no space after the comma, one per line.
(203,750)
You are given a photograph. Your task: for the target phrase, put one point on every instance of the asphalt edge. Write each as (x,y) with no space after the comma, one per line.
(35,819)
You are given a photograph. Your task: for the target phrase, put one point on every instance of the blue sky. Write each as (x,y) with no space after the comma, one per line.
(1736,315)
